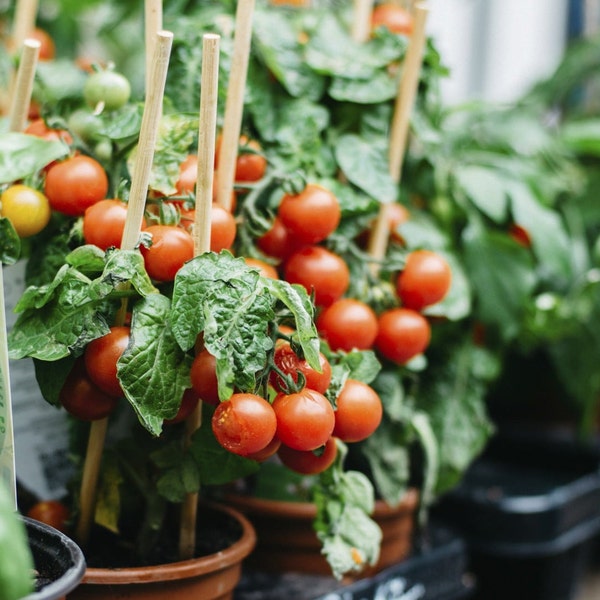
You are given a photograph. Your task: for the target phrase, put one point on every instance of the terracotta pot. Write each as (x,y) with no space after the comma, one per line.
(58,561)
(287,542)
(212,577)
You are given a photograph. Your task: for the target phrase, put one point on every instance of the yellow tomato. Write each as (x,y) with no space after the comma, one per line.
(27,209)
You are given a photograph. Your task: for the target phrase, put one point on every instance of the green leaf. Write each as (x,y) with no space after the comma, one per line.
(486,189)
(222,297)
(58,79)
(56,319)
(10,243)
(502,276)
(550,242)
(153,370)
(22,155)
(422,426)
(365,165)
(381,87)
(582,136)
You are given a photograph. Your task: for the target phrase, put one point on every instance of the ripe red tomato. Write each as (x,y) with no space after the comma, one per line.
(318,269)
(278,241)
(51,512)
(269,450)
(104,222)
(265,269)
(425,279)
(203,374)
(403,334)
(82,398)
(359,412)
(393,16)
(171,247)
(287,361)
(188,174)
(311,215)
(74,184)
(307,462)
(39,128)
(47,45)
(347,324)
(244,424)
(520,235)
(250,165)
(101,356)
(305,419)
(222,228)
(189,401)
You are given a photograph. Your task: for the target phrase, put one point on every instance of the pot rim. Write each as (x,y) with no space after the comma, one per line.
(181,569)
(303,509)
(70,578)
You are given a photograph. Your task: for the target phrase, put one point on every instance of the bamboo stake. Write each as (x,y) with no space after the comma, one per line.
(133,225)
(361,22)
(206,153)
(153,20)
(18,115)
(24,85)
(24,23)
(234,104)
(400,126)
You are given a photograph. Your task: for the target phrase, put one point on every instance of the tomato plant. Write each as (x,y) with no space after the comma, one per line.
(290,364)
(106,90)
(51,512)
(82,398)
(74,184)
(310,215)
(320,270)
(308,462)
(39,128)
(203,374)
(171,247)
(101,356)
(305,419)
(403,333)
(425,279)
(347,324)
(244,424)
(26,208)
(104,222)
(358,413)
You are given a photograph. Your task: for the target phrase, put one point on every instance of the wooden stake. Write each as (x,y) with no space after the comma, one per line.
(153,19)
(23,88)
(234,105)
(400,125)
(361,22)
(24,22)
(131,232)
(206,154)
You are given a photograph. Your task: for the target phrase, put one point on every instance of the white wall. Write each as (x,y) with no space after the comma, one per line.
(496,49)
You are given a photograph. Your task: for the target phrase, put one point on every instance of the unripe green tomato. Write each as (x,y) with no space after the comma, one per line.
(103,150)
(107,88)
(85,124)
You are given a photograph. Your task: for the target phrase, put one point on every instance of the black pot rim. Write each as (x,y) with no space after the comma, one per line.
(60,548)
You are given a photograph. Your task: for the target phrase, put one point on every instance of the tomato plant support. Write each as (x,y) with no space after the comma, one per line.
(207,127)
(361,20)
(234,104)
(153,23)
(400,125)
(23,85)
(133,224)
(24,21)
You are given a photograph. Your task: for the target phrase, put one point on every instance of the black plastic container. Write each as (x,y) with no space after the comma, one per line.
(529,512)
(436,570)
(58,560)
